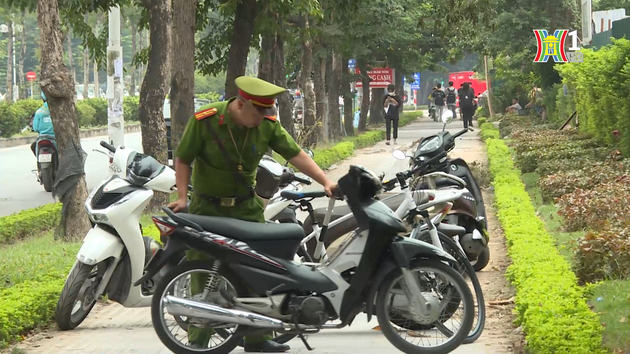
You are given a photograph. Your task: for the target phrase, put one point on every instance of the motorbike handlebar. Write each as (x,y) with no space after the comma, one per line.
(108,146)
(302,180)
(460,133)
(422,165)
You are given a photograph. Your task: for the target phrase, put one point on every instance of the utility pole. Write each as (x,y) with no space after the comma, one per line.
(488,87)
(115,88)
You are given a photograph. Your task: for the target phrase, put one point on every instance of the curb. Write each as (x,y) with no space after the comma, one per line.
(84,133)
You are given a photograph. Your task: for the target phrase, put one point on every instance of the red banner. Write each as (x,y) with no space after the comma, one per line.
(381,77)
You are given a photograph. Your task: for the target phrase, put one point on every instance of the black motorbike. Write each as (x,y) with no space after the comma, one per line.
(47,161)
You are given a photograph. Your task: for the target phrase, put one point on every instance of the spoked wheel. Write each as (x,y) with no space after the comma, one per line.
(440,285)
(465,268)
(78,296)
(201,336)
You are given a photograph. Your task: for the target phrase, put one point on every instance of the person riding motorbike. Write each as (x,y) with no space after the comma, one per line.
(226,141)
(42,123)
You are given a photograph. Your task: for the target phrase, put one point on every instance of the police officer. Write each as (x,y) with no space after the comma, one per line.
(226,140)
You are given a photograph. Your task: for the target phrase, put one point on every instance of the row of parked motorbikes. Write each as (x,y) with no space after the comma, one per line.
(405,250)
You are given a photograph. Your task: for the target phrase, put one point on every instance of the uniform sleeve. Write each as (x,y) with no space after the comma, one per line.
(282,143)
(192,142)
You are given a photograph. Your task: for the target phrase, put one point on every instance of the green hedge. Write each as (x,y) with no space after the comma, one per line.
(550,305)
(29,222)
(599,88)
(481,121)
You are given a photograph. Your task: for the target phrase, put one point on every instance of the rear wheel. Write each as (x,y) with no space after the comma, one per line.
(48,178)
(482,260)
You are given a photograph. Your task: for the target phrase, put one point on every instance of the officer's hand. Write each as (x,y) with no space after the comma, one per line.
(178,205)
(330,188)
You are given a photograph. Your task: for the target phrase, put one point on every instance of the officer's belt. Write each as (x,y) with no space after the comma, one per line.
(225,201)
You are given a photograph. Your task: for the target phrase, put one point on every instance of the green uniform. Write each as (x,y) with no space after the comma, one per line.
(214,176)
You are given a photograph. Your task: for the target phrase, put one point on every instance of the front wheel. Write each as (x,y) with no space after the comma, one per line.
(433,277)
(78,296)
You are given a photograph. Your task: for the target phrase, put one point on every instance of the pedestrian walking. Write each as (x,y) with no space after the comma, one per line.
(466,105)
(391,104)
(439,99)
(451,98)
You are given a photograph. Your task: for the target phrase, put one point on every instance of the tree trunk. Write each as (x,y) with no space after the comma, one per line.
(134,49)
(365,102)
(306,84)
(319,79)
(284,100)
(243,28)
(154,85)
(183,68)
(348,98)
(97,91)
(267,57)
(10,63)
(376,107)
(22,79)
(56,82)
(334,85)
(400,88)
(70,58)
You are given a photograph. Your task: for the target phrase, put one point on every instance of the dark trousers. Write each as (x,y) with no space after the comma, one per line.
(388,127)
(467,114)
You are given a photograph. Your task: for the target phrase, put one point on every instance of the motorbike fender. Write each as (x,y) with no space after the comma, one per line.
(99,245)
(387,266)
(172,253)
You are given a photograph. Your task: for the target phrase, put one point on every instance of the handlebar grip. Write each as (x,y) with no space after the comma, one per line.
(460,133)
(108,146)
(302,180)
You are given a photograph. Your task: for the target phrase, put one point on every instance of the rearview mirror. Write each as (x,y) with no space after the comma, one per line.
(447,117)
(399,155)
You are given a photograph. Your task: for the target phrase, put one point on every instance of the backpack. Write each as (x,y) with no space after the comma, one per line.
(439,97)
(466,100)
(450,96)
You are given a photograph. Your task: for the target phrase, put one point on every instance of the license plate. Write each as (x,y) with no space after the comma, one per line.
(45,158)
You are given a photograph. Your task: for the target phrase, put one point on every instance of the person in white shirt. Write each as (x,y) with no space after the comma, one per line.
(515,107)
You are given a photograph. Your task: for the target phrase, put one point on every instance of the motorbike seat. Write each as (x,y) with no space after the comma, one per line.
(293,195)
(245,230)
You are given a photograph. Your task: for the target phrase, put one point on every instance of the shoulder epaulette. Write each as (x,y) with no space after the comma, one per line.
(272,118)
(205,113)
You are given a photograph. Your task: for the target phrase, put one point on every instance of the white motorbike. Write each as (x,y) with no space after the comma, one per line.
(114,252)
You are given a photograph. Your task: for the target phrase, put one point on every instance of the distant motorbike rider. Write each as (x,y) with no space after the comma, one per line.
(42,123)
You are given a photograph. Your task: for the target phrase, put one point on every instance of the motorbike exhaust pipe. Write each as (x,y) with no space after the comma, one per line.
(189,308)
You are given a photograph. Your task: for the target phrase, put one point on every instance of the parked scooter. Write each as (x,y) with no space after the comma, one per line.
(468,212)
(299,298)
(47,161)
(114,252)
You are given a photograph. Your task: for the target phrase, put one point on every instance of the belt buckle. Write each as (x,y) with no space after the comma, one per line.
(228,201)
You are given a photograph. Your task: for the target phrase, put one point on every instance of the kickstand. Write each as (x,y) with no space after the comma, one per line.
(305,342)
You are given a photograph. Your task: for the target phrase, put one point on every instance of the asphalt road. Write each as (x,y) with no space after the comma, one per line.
(19,188)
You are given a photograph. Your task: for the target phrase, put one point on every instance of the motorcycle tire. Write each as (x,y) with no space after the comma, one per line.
(466,269)
(48,178)
(392,334)
(64,317)
(156,308)
(482,260)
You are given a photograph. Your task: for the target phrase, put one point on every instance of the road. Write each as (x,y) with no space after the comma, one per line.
(19,188)
(114,329)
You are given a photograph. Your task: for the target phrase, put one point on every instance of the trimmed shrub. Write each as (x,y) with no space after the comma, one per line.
(29,222)
(131,104)
(490,134)
(549,302)
(603,255)
(481,120)
(86,114)
(367,139)
(328,157)
(100,108)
